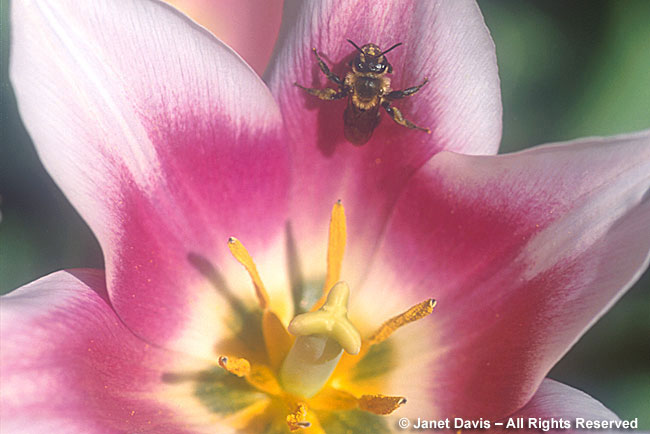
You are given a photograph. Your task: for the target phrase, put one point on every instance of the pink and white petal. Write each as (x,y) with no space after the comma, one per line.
(523,252)
(166,142)
(70,365)
(554,400)
(447,42)
(249,27)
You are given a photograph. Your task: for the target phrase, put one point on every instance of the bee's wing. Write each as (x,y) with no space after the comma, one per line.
(358,124)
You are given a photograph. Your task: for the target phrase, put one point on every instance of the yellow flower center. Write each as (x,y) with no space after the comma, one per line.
(306,367)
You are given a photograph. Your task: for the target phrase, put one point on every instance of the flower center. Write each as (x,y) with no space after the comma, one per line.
(304,359)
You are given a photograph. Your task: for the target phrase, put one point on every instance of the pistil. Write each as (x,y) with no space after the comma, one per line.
(321,338)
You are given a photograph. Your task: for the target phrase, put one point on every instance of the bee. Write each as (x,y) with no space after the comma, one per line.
(367,88)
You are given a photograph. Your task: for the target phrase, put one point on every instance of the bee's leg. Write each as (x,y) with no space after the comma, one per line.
(397,94)
(323,67)
(326,94)
(397,117)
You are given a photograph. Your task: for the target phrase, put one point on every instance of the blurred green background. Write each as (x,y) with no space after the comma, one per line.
(568,69)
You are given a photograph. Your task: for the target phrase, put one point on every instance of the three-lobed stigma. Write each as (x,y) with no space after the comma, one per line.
(321,338)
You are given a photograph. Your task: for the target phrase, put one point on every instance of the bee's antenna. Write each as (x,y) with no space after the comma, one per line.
(355,46)
(394,46)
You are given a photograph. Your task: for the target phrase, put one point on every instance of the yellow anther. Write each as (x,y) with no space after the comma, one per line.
(241,254)
(381,404)
(235,365)
(298,419)
(258,376)
(335,246)
(415,313)
(335,251)
(276,338)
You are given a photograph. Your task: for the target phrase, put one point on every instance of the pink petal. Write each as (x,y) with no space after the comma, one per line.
(70,365)
(165,142)
(557,401)
(445,41)
(249,27)
(523,253)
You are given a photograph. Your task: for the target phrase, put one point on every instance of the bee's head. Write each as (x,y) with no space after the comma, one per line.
(370,58)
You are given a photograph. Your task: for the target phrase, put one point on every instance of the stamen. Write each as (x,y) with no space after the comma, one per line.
(298,419)
(381,404)
(263,379)
(277,339)
(331,399)
(258,376)
(419,311)
(241,254)
(335,251)
(335,246)
(235,365)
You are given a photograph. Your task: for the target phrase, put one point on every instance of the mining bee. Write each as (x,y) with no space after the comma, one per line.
(367,88)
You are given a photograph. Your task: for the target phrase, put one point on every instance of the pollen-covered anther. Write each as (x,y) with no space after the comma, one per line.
(276,338)
(235,365)
(298,419)
(335,249)
(381,404)
(419,311)
(241,254)
(259,376)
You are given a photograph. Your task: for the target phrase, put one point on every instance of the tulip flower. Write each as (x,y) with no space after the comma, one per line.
(240,294)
